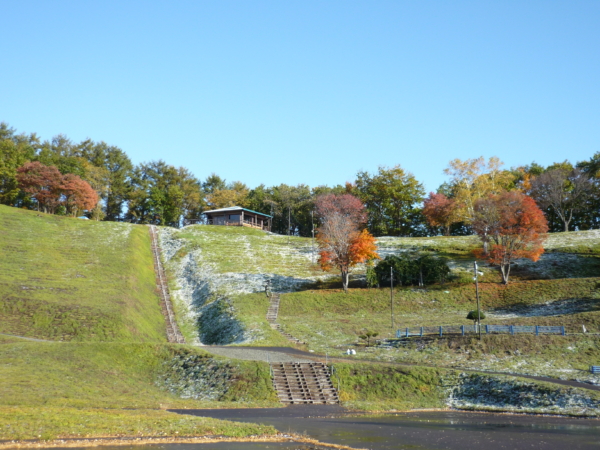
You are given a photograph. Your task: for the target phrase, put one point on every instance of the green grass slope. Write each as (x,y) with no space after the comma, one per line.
(331,321)
(74,389)
(69,279)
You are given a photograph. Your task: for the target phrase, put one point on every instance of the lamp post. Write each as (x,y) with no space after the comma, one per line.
(476,273)
(312,223)
(392,296)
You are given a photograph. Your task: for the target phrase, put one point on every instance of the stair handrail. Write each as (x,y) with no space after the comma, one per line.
(333,372)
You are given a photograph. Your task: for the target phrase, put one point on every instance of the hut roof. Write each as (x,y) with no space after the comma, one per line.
(234,208)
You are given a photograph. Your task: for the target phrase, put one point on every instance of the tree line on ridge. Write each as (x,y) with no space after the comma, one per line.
(63,177)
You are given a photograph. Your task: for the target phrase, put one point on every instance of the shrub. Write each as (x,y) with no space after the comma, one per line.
(367,335)
(473,315)
(412,270)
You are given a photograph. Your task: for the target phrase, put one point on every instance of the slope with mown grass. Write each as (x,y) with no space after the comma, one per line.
(66,279)
(332,321)
(383,387)
(213,268)
(208,265)
(107,389)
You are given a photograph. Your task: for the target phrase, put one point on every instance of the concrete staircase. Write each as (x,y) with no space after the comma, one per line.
(303,383)
(273,310)
(272,313)
(173,332)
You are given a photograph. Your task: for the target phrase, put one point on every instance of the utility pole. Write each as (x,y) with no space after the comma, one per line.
(312,223)
(477,296)
(289,222)
(392,296)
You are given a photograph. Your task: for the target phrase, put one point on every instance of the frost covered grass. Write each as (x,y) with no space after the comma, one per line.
(330,321)
(496,393)
(380,387)
(560,357)
(246,250)
(332,311)
(584,242)
(63,278)
(208,266)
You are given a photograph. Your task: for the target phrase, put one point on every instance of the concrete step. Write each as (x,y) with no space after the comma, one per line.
(303,383)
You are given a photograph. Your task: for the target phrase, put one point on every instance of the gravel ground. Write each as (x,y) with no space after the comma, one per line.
(254,354)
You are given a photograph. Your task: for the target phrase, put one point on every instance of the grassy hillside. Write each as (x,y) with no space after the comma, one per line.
(96,389)
(230,262)
(579,242)
(246,250)
(90,287)
(69,279)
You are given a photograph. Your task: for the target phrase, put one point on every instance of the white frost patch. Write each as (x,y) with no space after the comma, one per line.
(493,393)
(549,308)
(200,282)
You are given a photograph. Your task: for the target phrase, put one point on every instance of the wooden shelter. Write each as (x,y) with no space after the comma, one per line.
(238,216)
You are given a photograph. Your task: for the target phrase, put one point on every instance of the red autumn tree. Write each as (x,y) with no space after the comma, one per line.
(342,244)
(42,183)
(78,195)
(51,189)
(439,211)
(514,226)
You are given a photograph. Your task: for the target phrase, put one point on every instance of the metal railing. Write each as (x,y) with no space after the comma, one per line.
(485,329)
(228,223)
(173,332)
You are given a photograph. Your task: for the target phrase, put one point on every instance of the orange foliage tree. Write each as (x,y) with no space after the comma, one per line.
(342,244)
(50,189)
(439,211)
(42,183)
(77,195)
(514,226)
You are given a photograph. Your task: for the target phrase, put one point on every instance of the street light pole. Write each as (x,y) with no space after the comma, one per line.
(392,295)
(477,296)
(312,223)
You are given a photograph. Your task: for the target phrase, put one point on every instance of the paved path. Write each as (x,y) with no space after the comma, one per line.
(283,354)
(268,354)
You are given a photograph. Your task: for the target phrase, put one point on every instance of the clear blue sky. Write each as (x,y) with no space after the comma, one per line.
(308,91)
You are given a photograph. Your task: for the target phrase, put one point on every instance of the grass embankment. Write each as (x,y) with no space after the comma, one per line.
(332,317)
(381,387)
(577,242)
(251,310)
(246,250)
(56,390)
(19,423)
(331,321)
(63,278)
(568,255)
(377,387)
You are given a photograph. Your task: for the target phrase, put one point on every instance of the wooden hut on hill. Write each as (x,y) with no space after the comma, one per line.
(238,216)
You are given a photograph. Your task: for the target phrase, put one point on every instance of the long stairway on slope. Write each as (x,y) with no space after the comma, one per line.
(272,313)
(304,383)
(173,332)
